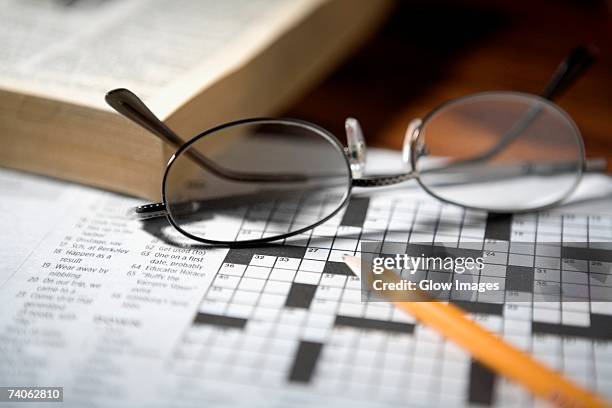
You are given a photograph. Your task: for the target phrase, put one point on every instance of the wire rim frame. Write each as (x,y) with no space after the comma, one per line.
(328,136)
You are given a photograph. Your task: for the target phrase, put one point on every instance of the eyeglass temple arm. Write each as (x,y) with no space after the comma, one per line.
(570,69)
(132,107)
(148,211)
(155,210)
(591,165)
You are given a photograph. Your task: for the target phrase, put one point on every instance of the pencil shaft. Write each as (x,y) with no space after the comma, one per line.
(499,355)
(488,348)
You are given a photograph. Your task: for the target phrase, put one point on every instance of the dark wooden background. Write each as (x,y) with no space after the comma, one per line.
(428,52)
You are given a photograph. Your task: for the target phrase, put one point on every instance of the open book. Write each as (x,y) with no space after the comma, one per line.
(196,63)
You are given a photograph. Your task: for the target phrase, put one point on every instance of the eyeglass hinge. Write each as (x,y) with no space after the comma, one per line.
(356,147)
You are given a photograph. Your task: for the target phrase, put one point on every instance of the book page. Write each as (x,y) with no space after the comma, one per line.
(77,51)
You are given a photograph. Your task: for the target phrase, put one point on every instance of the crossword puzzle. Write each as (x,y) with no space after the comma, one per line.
(292,315)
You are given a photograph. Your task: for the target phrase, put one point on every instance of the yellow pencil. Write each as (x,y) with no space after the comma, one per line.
(487,347)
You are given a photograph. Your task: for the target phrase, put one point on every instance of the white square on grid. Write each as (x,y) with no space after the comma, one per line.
(421,237)
(602,308)
(311,278)
(377,311)
(470,243)
(310,265)
(219,293)
(600,234)
(323,306)
(259,272)
(394,247)
(351,309)
(348,231)
(546,315)
(277,228)
(494,257)
(254,225)
(328,293)
(495,270)
(226,281)
(337,281)
(522,236)
(236,310)
(263,260)
(246,235)
(517,326)
(397,236)
(577,277)
(353,283)
(318,254)
(345,244)
(379,224)
(212,306)
(316,334)
(372,235)
(320,320)
(320,242)
(324,230)
(520,260)
(284,275)
(496,245)
(281,288)
(547,262)
(271,300)
(260,328)
(298,240)
(232,269)
(549,229)
(287,263)
(251,284)
(575,318)
(245,298)
(401,223)
(265,313)
(351,295)
(447,240)
(293,316)
(402,317)
(473,232)
(517,311)
(576,347)
(337,255)
(288,331)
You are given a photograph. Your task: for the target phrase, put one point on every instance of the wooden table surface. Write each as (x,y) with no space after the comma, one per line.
(428,52)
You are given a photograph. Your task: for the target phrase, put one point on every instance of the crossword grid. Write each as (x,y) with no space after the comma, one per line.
(293,314)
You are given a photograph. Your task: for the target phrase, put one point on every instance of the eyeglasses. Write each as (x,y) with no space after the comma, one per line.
(258,180)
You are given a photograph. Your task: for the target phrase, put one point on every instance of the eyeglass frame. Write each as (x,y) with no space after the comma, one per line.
(129,105)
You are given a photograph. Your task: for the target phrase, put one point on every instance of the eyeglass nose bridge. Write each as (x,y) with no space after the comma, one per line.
(410,145)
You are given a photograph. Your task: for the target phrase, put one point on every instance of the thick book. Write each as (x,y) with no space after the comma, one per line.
(196,63)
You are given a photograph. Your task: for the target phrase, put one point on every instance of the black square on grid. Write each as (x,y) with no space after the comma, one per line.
(519,279)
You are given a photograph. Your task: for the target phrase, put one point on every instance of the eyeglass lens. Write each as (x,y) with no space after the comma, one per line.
(255,180)
(500,152)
